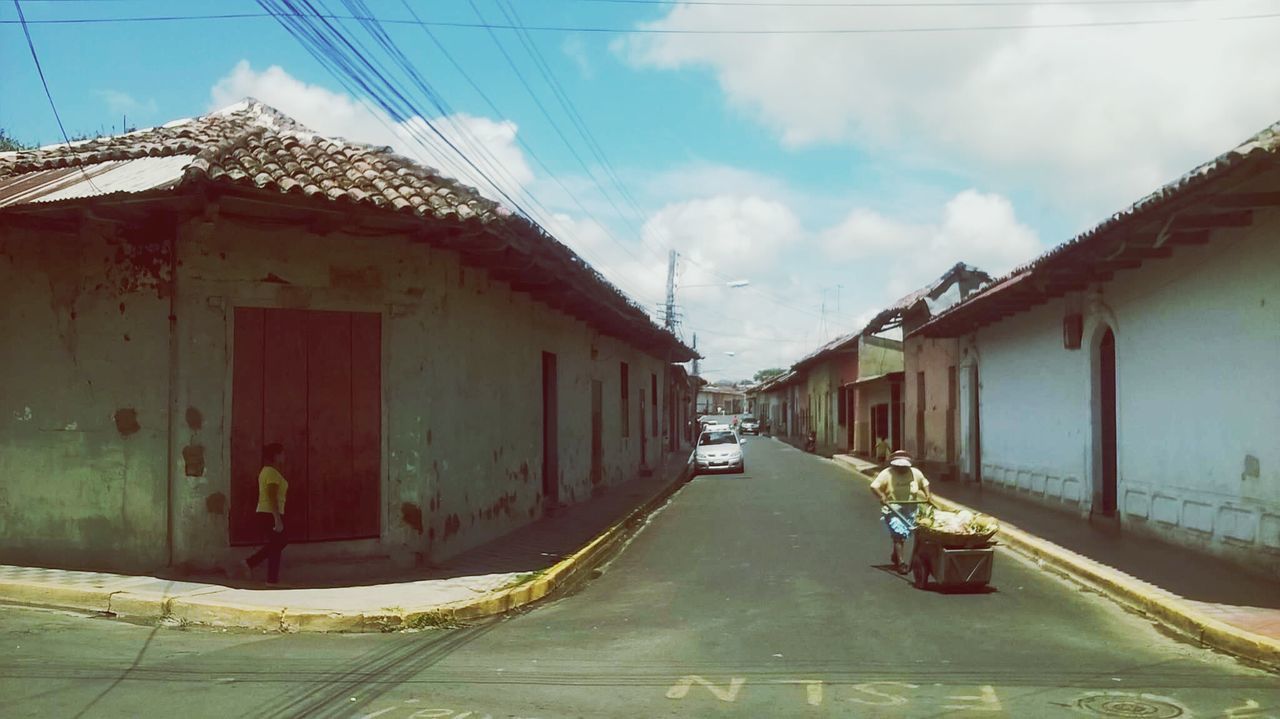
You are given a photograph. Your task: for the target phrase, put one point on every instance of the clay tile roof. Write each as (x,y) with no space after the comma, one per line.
(1015,292)
(256,147)
(253,144)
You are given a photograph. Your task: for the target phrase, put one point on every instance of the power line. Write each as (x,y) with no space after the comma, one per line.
(665,31)
(357,70)
(554,125)
(584,131)
(462,72)
(856,4)
(22,18)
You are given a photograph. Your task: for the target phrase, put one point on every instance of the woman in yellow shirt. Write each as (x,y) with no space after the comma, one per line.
(272,490)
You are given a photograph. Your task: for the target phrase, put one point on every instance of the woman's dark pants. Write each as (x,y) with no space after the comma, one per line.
(271,550)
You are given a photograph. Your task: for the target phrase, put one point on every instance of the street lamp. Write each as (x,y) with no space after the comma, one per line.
(732,284)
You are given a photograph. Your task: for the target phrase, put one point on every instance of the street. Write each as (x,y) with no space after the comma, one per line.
(756,595)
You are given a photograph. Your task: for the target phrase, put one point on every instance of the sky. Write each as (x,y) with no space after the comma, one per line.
(835,155)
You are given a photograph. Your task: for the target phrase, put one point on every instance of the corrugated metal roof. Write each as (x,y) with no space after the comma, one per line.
(874,377)
(937,294)
(103,178)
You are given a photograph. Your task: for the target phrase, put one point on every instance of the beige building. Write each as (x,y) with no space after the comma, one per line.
(923,400)
(439,370)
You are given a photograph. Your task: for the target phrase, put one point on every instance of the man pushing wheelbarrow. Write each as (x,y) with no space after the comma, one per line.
(901,489)
(954,548)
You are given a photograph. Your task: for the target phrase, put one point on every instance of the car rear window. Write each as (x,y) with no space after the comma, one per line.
(717,438)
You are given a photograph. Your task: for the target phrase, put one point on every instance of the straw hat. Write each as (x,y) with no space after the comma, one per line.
(900,458)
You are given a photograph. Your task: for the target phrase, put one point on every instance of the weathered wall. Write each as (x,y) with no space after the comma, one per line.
(822,383)
(84,397)
(1198,396)
(462,422)
(934,357)
(868,395)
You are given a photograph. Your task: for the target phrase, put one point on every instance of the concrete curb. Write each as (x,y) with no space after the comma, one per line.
(208,609)
(556,577)
(1159,604)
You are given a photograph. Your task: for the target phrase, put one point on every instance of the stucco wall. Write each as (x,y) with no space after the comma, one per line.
(870,394)
(818,390)
(934,357)
(461,416)
(1198,396)
(83,398)
(462,384)
(1034,407)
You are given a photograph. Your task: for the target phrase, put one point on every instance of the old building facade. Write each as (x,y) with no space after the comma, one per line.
(1130,375)
(439,372)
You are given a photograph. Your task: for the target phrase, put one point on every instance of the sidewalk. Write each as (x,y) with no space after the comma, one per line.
(1220,605)
(515,569)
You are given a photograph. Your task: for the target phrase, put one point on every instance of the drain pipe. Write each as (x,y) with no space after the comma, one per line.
(173,391)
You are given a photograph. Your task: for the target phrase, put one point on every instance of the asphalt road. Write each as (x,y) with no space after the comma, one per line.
(756,595)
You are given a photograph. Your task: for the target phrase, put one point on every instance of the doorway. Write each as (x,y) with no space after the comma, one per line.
(879,426)
(597,432)
(550,431)
(1107,420)
(970,434)
(312,381)
(644,444)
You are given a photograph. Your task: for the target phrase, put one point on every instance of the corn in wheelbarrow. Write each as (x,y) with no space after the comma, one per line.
(954,560)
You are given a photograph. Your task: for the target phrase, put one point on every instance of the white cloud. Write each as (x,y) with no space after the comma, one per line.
(973,227)
(576,50)
(491,144)
(122,103)
(737,236)
(1098,116)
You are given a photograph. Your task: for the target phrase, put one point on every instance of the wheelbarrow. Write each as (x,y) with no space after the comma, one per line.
(954,561)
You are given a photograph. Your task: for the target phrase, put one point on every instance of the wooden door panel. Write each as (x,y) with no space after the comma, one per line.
(284,416)
(311,381)
(329,413)
(366,424)
(246,423)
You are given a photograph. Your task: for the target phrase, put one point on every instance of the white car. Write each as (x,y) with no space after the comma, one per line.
(718,449)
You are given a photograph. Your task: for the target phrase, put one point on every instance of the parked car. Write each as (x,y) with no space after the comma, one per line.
(718,449)
(749,425)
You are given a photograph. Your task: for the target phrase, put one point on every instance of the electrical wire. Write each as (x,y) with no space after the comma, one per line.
(362,75)
(554,125)
(523,144)
(895,5)
(746,32)
(35,57)
(566,103)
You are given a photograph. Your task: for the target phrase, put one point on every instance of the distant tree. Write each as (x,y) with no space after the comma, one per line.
(9,144)
(768,374)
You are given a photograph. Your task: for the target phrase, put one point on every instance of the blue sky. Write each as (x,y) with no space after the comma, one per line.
(831,171)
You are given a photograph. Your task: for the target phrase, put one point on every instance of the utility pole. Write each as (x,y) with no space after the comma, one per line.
(695,350)
(671,295)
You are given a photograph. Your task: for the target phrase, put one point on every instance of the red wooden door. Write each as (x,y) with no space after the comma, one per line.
(311,381)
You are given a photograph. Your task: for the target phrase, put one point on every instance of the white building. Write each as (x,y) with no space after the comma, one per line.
(1133,374)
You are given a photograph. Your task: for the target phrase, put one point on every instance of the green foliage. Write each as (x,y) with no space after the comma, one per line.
(9,144)
(767,374)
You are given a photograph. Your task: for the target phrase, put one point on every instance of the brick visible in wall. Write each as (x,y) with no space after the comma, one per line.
(216,503)
(127,421)
(411,514)
(193,460)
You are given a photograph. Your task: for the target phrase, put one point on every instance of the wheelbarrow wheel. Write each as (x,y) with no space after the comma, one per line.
(919,573)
